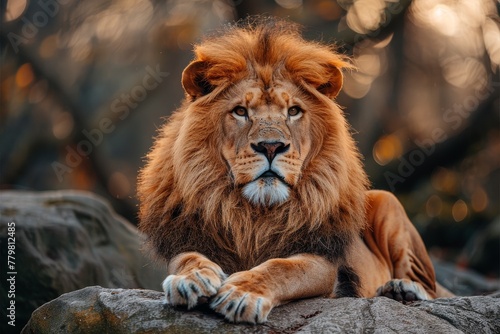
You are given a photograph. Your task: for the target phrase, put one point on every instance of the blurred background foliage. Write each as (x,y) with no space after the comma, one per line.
(86,84)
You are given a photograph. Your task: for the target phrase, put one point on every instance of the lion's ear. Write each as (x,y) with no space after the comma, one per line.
(194,79)
(331,88)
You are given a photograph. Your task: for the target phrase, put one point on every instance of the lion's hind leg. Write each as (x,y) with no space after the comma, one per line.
(395,242)
(403,290)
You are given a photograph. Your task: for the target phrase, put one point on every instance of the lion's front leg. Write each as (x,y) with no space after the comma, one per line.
(192,278)
(249,296)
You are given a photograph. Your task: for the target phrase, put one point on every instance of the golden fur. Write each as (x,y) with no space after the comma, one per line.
(193,191)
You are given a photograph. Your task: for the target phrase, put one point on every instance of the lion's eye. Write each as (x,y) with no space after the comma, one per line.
(294,111)
(240,111)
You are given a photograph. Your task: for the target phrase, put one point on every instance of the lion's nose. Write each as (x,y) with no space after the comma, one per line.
(270,149)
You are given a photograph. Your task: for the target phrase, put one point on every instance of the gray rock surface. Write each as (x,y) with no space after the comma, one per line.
(65,241)
(100,310)
(463,282)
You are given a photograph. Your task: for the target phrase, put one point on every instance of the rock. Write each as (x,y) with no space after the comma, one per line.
(65,241)
(463,282)
(481,251)
(100,310)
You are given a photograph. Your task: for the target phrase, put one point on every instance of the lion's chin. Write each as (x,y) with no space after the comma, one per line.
(266,191)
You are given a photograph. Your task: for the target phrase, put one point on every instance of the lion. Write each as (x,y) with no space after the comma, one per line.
(254,190)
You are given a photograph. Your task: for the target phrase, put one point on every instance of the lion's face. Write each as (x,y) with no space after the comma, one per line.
(266,139)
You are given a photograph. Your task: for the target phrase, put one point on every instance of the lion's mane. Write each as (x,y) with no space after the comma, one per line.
(188,201)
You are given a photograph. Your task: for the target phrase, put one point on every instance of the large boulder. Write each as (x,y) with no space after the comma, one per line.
(65,241)
(99,310)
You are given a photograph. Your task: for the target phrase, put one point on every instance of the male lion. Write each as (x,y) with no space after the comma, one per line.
(254,190)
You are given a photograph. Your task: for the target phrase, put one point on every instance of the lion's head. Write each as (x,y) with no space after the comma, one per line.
(258,151)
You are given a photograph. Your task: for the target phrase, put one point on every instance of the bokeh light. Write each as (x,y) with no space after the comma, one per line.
(289,4)
(445,180)
(15,9)
(463,72)
(459,210)
(434,206)
(479,200)
(62,124)
(25,75)
(387,149)
(491,32)
(365,15)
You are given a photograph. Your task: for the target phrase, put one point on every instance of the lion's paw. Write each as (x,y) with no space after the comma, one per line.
(192,289)
(242,301)
(403,290)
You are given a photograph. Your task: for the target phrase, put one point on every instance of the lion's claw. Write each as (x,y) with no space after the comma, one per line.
(189,289)
(239,305)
